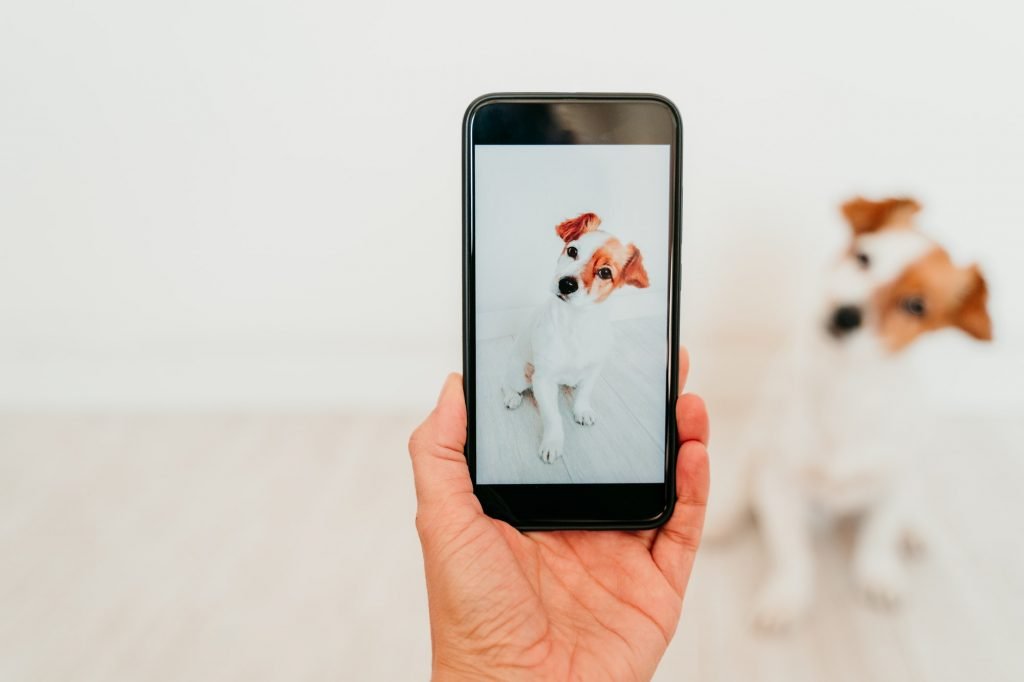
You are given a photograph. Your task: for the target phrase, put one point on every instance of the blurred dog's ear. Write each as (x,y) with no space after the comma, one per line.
(972,315)
(866,216)
(633,272)
(571,230)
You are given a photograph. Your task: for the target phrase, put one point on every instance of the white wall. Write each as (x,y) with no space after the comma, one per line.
(227,202)
(524,191)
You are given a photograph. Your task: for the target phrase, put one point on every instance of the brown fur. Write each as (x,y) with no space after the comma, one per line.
(866,216)
(953,297)
(626,264)
(572,229)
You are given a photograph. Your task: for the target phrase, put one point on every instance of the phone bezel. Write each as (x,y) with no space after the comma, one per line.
(631,506)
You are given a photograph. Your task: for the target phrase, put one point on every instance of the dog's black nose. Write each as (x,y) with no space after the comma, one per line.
(846,318)
(567,285)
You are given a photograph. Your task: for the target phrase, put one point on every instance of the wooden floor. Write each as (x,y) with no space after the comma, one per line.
(281,547)
(625,445)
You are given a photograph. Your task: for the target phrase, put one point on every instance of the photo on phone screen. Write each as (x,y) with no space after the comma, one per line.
(572,256)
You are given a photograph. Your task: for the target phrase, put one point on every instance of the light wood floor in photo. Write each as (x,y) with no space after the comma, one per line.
(626,444)
(257,547)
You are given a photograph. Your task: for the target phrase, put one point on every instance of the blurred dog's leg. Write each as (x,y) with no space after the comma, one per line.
(729,509)
(916,532)
(782,516)
(878,566)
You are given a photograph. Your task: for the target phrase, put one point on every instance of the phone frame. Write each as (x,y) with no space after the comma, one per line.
(544,506)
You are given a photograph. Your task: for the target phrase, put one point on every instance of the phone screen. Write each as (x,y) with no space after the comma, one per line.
(571,312)
(571,213)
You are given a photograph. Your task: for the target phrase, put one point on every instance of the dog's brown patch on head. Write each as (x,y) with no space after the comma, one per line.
(865,215)
(574,228)
(614,265)
(933,293)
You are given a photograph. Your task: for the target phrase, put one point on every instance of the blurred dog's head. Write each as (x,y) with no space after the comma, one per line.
(897,284)
(593,263)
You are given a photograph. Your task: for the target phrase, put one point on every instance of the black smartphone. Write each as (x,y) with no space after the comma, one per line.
(571,230)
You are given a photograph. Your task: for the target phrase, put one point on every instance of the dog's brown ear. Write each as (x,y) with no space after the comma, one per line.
(571,230)
(972,315)
(633,272)
(866,216)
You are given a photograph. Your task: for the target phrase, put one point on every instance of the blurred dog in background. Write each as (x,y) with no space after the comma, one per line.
(841,438)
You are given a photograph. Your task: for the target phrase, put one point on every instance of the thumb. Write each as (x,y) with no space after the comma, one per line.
(438,446)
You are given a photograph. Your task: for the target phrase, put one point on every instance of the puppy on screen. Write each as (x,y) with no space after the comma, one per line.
(569,339)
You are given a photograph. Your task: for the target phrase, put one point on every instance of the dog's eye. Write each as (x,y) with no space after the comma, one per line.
(913,305)
(604,273)
(863,260)
(571,252)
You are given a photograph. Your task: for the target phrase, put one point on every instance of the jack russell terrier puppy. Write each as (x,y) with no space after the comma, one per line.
(569,339)
(840,433)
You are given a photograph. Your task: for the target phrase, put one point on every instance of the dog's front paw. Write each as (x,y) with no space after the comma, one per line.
(512,399)
(780,604)
(550,449)
(584,416)
(883,582)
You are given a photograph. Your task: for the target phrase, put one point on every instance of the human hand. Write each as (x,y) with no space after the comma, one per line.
(549,605)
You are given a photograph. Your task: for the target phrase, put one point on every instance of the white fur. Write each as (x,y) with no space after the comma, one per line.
(586,245)
(837,435)
(567,342)
(889,251)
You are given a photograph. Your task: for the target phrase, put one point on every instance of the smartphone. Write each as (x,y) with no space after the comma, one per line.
(571,230)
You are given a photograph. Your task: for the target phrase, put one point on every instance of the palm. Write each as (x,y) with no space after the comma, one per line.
(606,606)
(570,603)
